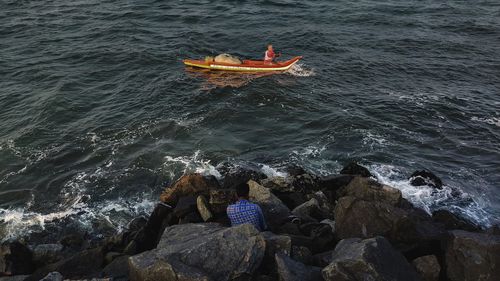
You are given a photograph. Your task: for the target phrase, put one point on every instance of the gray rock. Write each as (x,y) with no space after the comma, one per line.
(370,190)
(324,203)
(330,223)
(201,252)
(274,210)
(369,259)
(368,209)
(118,269)
(275,244)
(203,209)
(308,209)
(473,256)
(47,253)
(53,276)
(291,270)
(427,267)
(280,184)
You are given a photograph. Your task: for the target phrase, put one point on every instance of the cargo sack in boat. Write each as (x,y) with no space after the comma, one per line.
(227,58)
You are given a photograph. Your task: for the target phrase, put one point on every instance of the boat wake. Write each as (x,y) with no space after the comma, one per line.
(300,70)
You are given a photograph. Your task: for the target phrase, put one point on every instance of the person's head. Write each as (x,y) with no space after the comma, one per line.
(242,190)
(270,47)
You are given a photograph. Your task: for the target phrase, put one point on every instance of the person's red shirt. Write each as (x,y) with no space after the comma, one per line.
(269,56)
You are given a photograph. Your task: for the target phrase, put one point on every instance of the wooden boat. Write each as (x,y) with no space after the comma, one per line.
(246,66)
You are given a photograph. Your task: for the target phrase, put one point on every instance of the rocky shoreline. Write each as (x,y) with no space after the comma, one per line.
(340,227)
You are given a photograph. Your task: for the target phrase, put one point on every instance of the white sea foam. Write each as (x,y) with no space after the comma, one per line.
(190,164)
(301,70)
(430,199)
(373,140)
(272,172)
(492,121)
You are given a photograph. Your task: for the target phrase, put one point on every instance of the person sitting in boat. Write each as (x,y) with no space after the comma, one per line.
(270,55)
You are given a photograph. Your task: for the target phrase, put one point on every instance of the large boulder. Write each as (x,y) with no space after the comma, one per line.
(452,221)
(47,253)
(117,269)
(354,168)
(189,185)
(427,267)
(369,209)
(369,259)
(201,252)
(84,264)
(16,258)
(291,270)
(473,256)
(370,190)
(275,212)
(424,177)
(275,244)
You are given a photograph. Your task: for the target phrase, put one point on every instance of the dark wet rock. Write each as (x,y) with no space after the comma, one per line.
(305,183)
(192,217)
(294,170)
(275,244)
(147,237)
(291,270)
(110,256)
(185,205)
(472,256)
(427,267)
(189,185)
(137,223)
(301,254)
(354,168)
(85,264)
(322,259)
(452,221)
(274,210)
(53,276)
(117,269)
(334,182)
(369,259)
(14,278)
(201,252)
(73,240)
(16,258)
(424,177)
(291,199)
(47,253)
(234,175)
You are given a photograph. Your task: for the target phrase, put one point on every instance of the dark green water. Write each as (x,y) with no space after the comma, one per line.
(98,113)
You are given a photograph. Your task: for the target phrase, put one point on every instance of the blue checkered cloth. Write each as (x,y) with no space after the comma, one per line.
(244,211)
